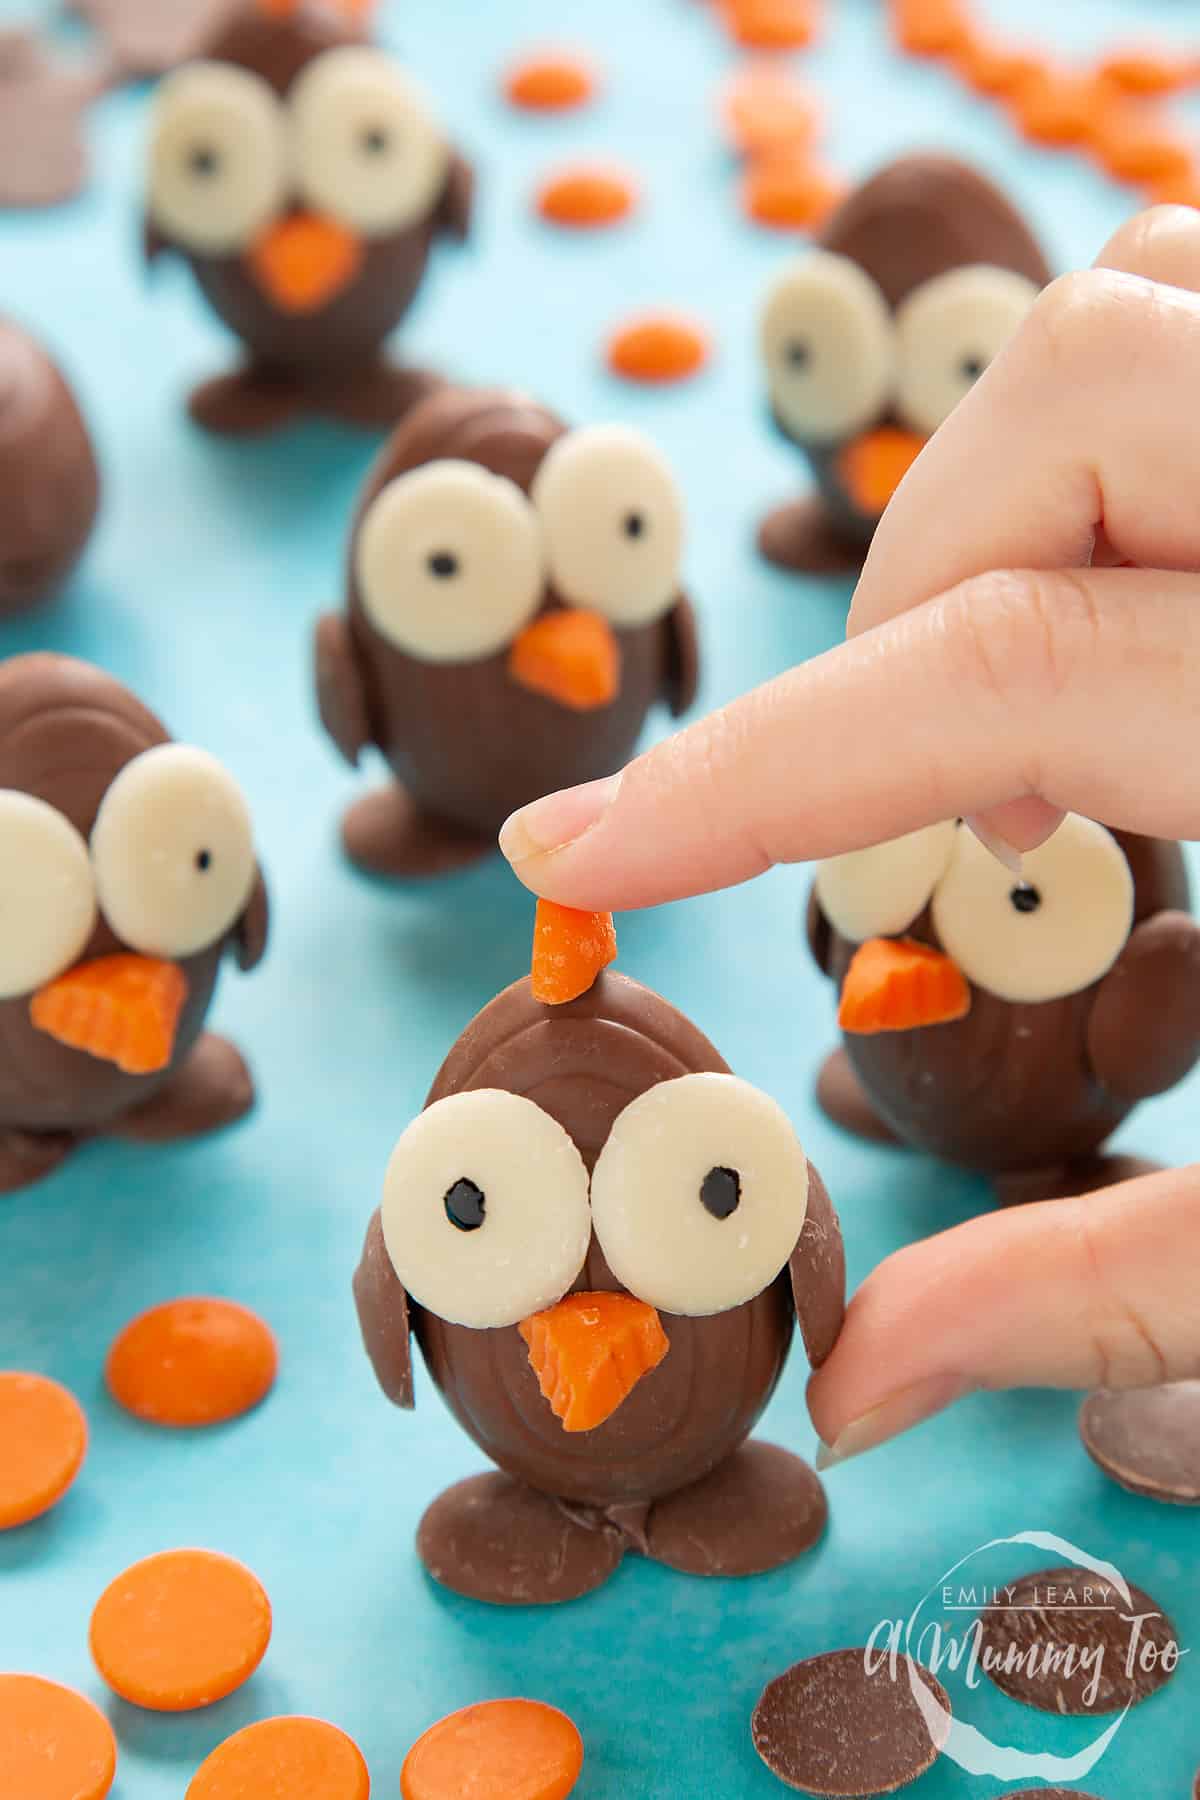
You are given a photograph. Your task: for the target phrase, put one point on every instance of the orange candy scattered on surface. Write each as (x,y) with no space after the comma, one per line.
(586,197)
(550,83)
(499,1750)
(764,109)
(180,1630)
(1149,71)
(589,1353)
(1179,190)
(570,948)
(991,67)
(192,1362)
(54,1744)
(1136,143)
(123,1009)
(787,191)
(929,27)
(657,347)
(1059,106)
(771,24)
(283,1759)
(43,1441)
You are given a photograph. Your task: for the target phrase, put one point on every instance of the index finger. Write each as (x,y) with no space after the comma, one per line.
(1078,426)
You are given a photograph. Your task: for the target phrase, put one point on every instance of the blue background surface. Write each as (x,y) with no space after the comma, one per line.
(199,590)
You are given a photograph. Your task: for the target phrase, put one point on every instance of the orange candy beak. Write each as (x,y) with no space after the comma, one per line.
(872,467)
(589,1353)
(123,1009)
(572,657)
(895,984)
(305,260)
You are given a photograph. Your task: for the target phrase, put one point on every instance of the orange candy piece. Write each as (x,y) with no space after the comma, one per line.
(571,656)
(589,1353)
(499,1750)
(1178,190)
(554,82)
(180,1630)
(929,27)
(54,1744)
(43,1441)
(192,1362)
(872,467)
(1059,106)
(283,1759)
(764,109)
(1149,71)
(569,950)
(771,24)
(587,196)
(304,260)
(897,984)
(657,348)
(122,1008)
(787,191)
(991,67)
(1136,143)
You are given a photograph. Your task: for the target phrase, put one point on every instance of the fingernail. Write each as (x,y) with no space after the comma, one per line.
(557,820)
(899,1412)
(1001,849)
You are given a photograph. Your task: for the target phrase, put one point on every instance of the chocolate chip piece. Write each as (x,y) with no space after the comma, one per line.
(828,1727)
(721,1192)
(634,525)
(1025,899)
(465,1205)
(1147,1439)
(1067,1641)
(443,563)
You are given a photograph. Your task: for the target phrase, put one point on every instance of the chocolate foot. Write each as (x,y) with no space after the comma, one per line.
(385,833)
(761,1508)
(842,1098)
(212,1089)
(376,397)
(248,403)
(29,1156)
(802,538)
(1085,1176)
(492,1538)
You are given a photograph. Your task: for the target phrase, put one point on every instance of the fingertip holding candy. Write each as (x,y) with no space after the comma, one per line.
(587,196)
(301,1758)
(180,1630)
(44,1434)
(54,1744)
(192,1362)
(552,81)
(657,348)
(497,1750)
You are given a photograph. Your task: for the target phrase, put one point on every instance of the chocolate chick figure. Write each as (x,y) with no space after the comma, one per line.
(49,482)
(305,180)
(869,340)
(127,870)
(1008,1023)
(602,1241)
(514,611)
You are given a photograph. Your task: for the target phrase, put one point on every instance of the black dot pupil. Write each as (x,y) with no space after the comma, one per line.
(465,1205)
(375,140)
(203,160)
(721,1192)
(204,860)
(798,353)
(443,564)
(972,367)
(634,525)
(1025,898)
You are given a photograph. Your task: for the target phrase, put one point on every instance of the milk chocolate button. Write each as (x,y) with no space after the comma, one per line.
(828,1727)
(1067,1641)
(1147,1439)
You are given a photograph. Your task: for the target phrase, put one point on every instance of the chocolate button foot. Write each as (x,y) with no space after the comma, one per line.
(494,1539)
(801,538)
(386,834)
(377,396)
(212,1089)
(29,1156)
(247,403)
(843,1098)
(761,1508)
(1086,1176)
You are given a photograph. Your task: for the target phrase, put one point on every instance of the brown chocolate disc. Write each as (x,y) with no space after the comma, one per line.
(1147,1439)
(494,1539)
(762,1507)
(1051,1794)
(1067,1641)
(828,1727)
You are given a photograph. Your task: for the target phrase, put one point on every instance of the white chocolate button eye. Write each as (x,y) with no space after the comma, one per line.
(612,515)
(485,1209)
(217,157)
(1058,929)
(449,562)
(880,891)
(829,349)
(948,331)
(699,1195)
(47,898)
(173,851)
(368,148)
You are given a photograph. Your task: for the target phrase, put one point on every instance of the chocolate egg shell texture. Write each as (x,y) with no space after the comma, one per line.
(827,1727)
(1147,1439)
(49,481)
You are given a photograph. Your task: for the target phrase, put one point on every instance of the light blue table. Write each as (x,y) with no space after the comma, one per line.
(199,591)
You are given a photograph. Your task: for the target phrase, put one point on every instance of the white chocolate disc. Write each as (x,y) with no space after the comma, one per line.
(1057,929)
(612,515)
(520,1174)
(218,157)
(878,892)
(47,900)
(828,344)
(449,562)
(173,851)
(368,148)
(947,332)
(681,1140)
